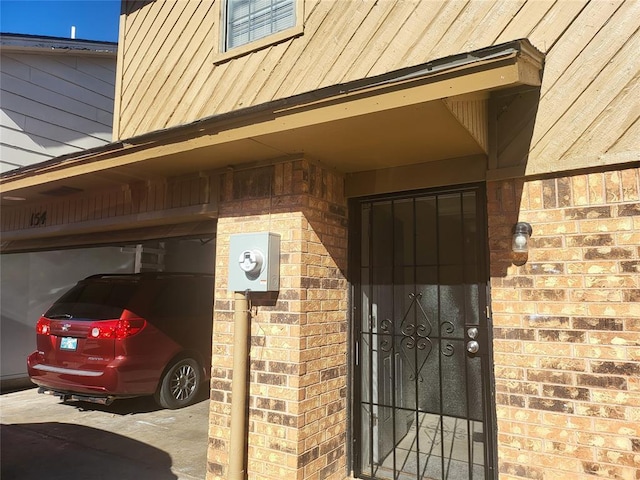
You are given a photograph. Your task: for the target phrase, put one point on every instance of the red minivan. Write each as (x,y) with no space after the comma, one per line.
(126,335)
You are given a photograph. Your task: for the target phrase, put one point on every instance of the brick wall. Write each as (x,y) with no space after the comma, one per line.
(567,326)
(297,419)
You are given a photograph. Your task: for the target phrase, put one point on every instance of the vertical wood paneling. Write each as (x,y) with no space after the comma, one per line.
(84,211)
(161,196)
(19,219)
(10,217)
(473,113)
(97,211)
(184,192)
(144,202)
(91,207)
(102,205)
(78,210)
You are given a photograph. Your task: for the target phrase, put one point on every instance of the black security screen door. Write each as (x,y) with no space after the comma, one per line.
(422,405)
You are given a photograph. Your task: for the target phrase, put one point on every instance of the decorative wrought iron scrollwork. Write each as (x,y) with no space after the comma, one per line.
(448,350)
(415,336)
(386,325)
(420,343)
(448,327)
(422,329)
(386,340)
(386,344)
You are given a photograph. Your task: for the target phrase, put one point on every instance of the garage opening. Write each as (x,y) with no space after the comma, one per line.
(33,280)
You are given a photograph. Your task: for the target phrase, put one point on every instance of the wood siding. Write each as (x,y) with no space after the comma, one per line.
(588,112)
(53,104)
(131,206)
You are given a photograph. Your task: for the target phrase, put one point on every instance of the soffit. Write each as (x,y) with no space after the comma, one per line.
(393,122)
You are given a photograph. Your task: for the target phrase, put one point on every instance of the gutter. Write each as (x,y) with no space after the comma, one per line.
(13,42)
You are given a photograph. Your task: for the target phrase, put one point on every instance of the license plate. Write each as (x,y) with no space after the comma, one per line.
(68,343)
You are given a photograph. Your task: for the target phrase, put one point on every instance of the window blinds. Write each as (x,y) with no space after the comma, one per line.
(249,20)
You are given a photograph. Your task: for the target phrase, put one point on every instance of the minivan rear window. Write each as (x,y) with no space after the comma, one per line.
(94,301)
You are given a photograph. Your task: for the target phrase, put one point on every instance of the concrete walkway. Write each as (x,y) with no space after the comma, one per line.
(43,438)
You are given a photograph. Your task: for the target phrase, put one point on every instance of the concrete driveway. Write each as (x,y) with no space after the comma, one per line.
(42,437)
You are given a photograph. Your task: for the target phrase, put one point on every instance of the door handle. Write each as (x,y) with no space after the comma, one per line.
(473,346)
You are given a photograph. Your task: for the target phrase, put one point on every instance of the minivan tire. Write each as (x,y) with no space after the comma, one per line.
(180,384)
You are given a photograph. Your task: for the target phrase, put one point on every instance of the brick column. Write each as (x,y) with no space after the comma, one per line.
(298,368)
(567,326)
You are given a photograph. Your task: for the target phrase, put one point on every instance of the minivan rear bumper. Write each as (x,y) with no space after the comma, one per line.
(108,400)
(120,378)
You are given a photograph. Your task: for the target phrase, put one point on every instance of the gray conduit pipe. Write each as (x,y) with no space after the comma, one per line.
(241,330)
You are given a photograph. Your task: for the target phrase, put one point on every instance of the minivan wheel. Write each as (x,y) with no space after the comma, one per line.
(180,384)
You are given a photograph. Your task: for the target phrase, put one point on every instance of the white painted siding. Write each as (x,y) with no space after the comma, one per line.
(53,104)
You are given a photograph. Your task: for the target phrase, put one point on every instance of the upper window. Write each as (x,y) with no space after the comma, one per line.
(250,20)
(248,25)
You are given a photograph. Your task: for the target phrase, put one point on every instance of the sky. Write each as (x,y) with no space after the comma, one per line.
(93,19)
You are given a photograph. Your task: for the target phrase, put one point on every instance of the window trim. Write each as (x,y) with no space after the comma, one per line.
(221,56)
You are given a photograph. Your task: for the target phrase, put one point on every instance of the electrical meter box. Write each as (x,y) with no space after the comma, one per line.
(254,262)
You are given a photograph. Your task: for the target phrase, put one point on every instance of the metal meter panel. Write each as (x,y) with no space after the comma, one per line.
(254,262)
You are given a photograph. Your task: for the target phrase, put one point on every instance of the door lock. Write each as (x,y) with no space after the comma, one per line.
(473,346)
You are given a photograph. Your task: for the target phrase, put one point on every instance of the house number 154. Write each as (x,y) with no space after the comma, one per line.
(38,218)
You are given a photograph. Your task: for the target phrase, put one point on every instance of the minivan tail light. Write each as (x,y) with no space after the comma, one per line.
(43,327)
(131,323)
(127,326)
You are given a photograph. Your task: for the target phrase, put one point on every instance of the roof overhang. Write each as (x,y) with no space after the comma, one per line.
(390,120)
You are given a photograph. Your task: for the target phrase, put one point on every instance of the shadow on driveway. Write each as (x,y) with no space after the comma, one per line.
(56,451)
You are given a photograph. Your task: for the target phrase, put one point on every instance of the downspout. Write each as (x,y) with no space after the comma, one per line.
(241,331)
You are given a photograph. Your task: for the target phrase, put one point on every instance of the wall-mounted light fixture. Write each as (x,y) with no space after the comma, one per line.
(521,234)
